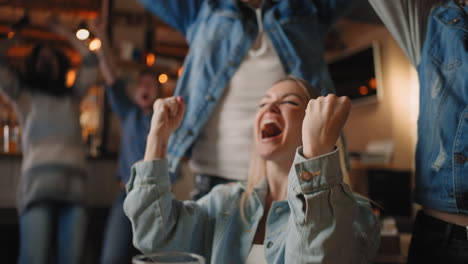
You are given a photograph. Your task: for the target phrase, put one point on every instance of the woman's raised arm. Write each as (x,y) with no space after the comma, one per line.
(328,223)
(159,221)
(88,73)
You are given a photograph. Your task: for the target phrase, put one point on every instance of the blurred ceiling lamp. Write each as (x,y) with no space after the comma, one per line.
(179,72)
(363,90)
(82,33)
(11,34)
(95,44)
(71,77)
(150,59)
(163,78)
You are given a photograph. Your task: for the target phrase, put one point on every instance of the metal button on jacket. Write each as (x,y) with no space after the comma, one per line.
(455,21)
(306,176)
(209,98)
(460,158)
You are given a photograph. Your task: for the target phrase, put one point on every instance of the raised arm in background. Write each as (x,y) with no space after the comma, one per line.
(88,73)
(10,86)
(407,21)
(116,87)
(107,62)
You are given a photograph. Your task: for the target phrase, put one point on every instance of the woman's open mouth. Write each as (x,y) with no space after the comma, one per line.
(271,130)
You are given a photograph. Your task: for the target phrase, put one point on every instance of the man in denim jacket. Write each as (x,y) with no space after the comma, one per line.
(238,49)
(434,35)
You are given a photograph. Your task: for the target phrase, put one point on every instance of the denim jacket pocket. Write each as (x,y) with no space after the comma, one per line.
(451,28)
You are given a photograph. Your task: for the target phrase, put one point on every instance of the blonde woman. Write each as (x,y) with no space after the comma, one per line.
(295,207)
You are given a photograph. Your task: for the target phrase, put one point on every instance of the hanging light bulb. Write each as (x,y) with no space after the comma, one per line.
(95,44)
(82,33)
(71,77)
(150,59)
(163,78)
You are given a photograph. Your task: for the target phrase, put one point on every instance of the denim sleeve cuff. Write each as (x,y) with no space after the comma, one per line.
(311,175)
(153,172)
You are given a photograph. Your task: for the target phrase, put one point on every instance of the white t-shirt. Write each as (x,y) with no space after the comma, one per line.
(256,255)
(225,143)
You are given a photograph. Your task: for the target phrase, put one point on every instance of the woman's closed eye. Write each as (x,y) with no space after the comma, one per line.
(290,102)
(261,105)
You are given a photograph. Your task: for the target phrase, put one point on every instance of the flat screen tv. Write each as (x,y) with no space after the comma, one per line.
(356,74)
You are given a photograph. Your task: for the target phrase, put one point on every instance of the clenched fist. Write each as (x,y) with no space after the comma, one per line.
(321,128)
(167,116)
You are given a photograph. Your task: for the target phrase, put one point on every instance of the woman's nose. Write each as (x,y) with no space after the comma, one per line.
(273,107)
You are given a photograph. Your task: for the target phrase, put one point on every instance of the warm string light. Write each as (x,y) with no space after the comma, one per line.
(71,77)
(95,44)
(179,72)
(150,59)
(163,78)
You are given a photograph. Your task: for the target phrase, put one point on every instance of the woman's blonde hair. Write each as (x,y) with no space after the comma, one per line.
(257,169)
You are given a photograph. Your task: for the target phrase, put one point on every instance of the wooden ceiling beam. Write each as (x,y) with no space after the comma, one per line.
(85,8)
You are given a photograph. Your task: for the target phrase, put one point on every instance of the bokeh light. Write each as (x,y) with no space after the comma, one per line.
(71,77)
(82,34)
(163,78)
(95,44)
(373,84)
(363,90)
(150,59)
(179,72)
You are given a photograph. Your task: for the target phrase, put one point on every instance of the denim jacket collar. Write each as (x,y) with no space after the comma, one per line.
(235,6)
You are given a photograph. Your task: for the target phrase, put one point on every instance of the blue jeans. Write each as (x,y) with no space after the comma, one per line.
(52,231)
(118,247)
(435,241)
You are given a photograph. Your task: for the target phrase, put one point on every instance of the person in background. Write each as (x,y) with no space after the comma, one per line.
(238,49)
(433,34)
(295,207)
(52,217)
(135,120)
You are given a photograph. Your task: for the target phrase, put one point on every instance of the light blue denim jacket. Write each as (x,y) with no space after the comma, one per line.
(335,226)
(434,35)
(221,32)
